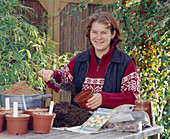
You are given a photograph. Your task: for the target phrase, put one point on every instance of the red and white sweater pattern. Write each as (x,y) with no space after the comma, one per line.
(130,85)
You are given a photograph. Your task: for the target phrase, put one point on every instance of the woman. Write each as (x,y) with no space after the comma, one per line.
(110,73)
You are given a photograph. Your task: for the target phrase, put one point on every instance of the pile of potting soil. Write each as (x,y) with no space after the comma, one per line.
(68,115)
(20,88)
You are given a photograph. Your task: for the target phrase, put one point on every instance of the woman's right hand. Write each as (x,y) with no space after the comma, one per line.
(46,74)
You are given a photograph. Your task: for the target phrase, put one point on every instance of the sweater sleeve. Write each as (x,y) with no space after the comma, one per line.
(130,87)
(64,75)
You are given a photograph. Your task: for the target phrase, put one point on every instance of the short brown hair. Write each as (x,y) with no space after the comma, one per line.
(108,19)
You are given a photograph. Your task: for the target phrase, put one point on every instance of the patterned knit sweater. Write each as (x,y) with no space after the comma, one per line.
(94,80)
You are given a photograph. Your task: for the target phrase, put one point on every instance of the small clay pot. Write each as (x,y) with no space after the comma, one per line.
(3,110)
(30,111)
(2,115)
(82,98)
(43,122)
(145,105)
(17,125)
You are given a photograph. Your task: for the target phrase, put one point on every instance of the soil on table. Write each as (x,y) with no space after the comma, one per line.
(42,113)
(19,115)
(4,109)
(2,113)
(10,112)
(37,109)
(68,115)
(20,88)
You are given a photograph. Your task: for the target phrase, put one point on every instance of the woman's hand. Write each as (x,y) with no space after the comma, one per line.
(46,74)
(94,101)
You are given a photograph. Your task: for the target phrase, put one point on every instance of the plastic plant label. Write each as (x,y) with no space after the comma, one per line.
(15,109)
(51,107)
(23,98)
(7,104)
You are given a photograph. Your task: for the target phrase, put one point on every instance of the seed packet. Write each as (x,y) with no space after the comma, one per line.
(98,119)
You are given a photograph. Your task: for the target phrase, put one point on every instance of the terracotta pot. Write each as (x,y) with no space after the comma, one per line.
(82,98)
(145,105)
(17,125)
(2,115)
(43,122)
(3,110)
(30,111)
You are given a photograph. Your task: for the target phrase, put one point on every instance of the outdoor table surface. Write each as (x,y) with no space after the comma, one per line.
(63,134)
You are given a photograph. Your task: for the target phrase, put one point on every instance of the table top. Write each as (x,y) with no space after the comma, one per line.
(63,134)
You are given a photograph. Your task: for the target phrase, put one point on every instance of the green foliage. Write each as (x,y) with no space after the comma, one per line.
(23,50)
(148,41)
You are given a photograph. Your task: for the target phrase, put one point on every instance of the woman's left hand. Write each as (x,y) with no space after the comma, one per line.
(94,101)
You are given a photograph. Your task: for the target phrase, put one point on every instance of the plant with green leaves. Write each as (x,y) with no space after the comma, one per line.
(147,36)
(23,50)
(145,26)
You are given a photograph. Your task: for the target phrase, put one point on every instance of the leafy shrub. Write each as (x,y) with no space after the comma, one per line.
(23,50)
(145,26)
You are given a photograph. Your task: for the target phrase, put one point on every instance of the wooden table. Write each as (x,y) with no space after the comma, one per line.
(58,134)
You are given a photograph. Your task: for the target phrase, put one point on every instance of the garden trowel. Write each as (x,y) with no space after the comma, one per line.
(69,87)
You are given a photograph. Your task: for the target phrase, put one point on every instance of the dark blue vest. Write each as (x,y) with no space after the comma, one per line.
(113,75)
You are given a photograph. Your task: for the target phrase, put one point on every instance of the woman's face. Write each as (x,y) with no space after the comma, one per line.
(100,37)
